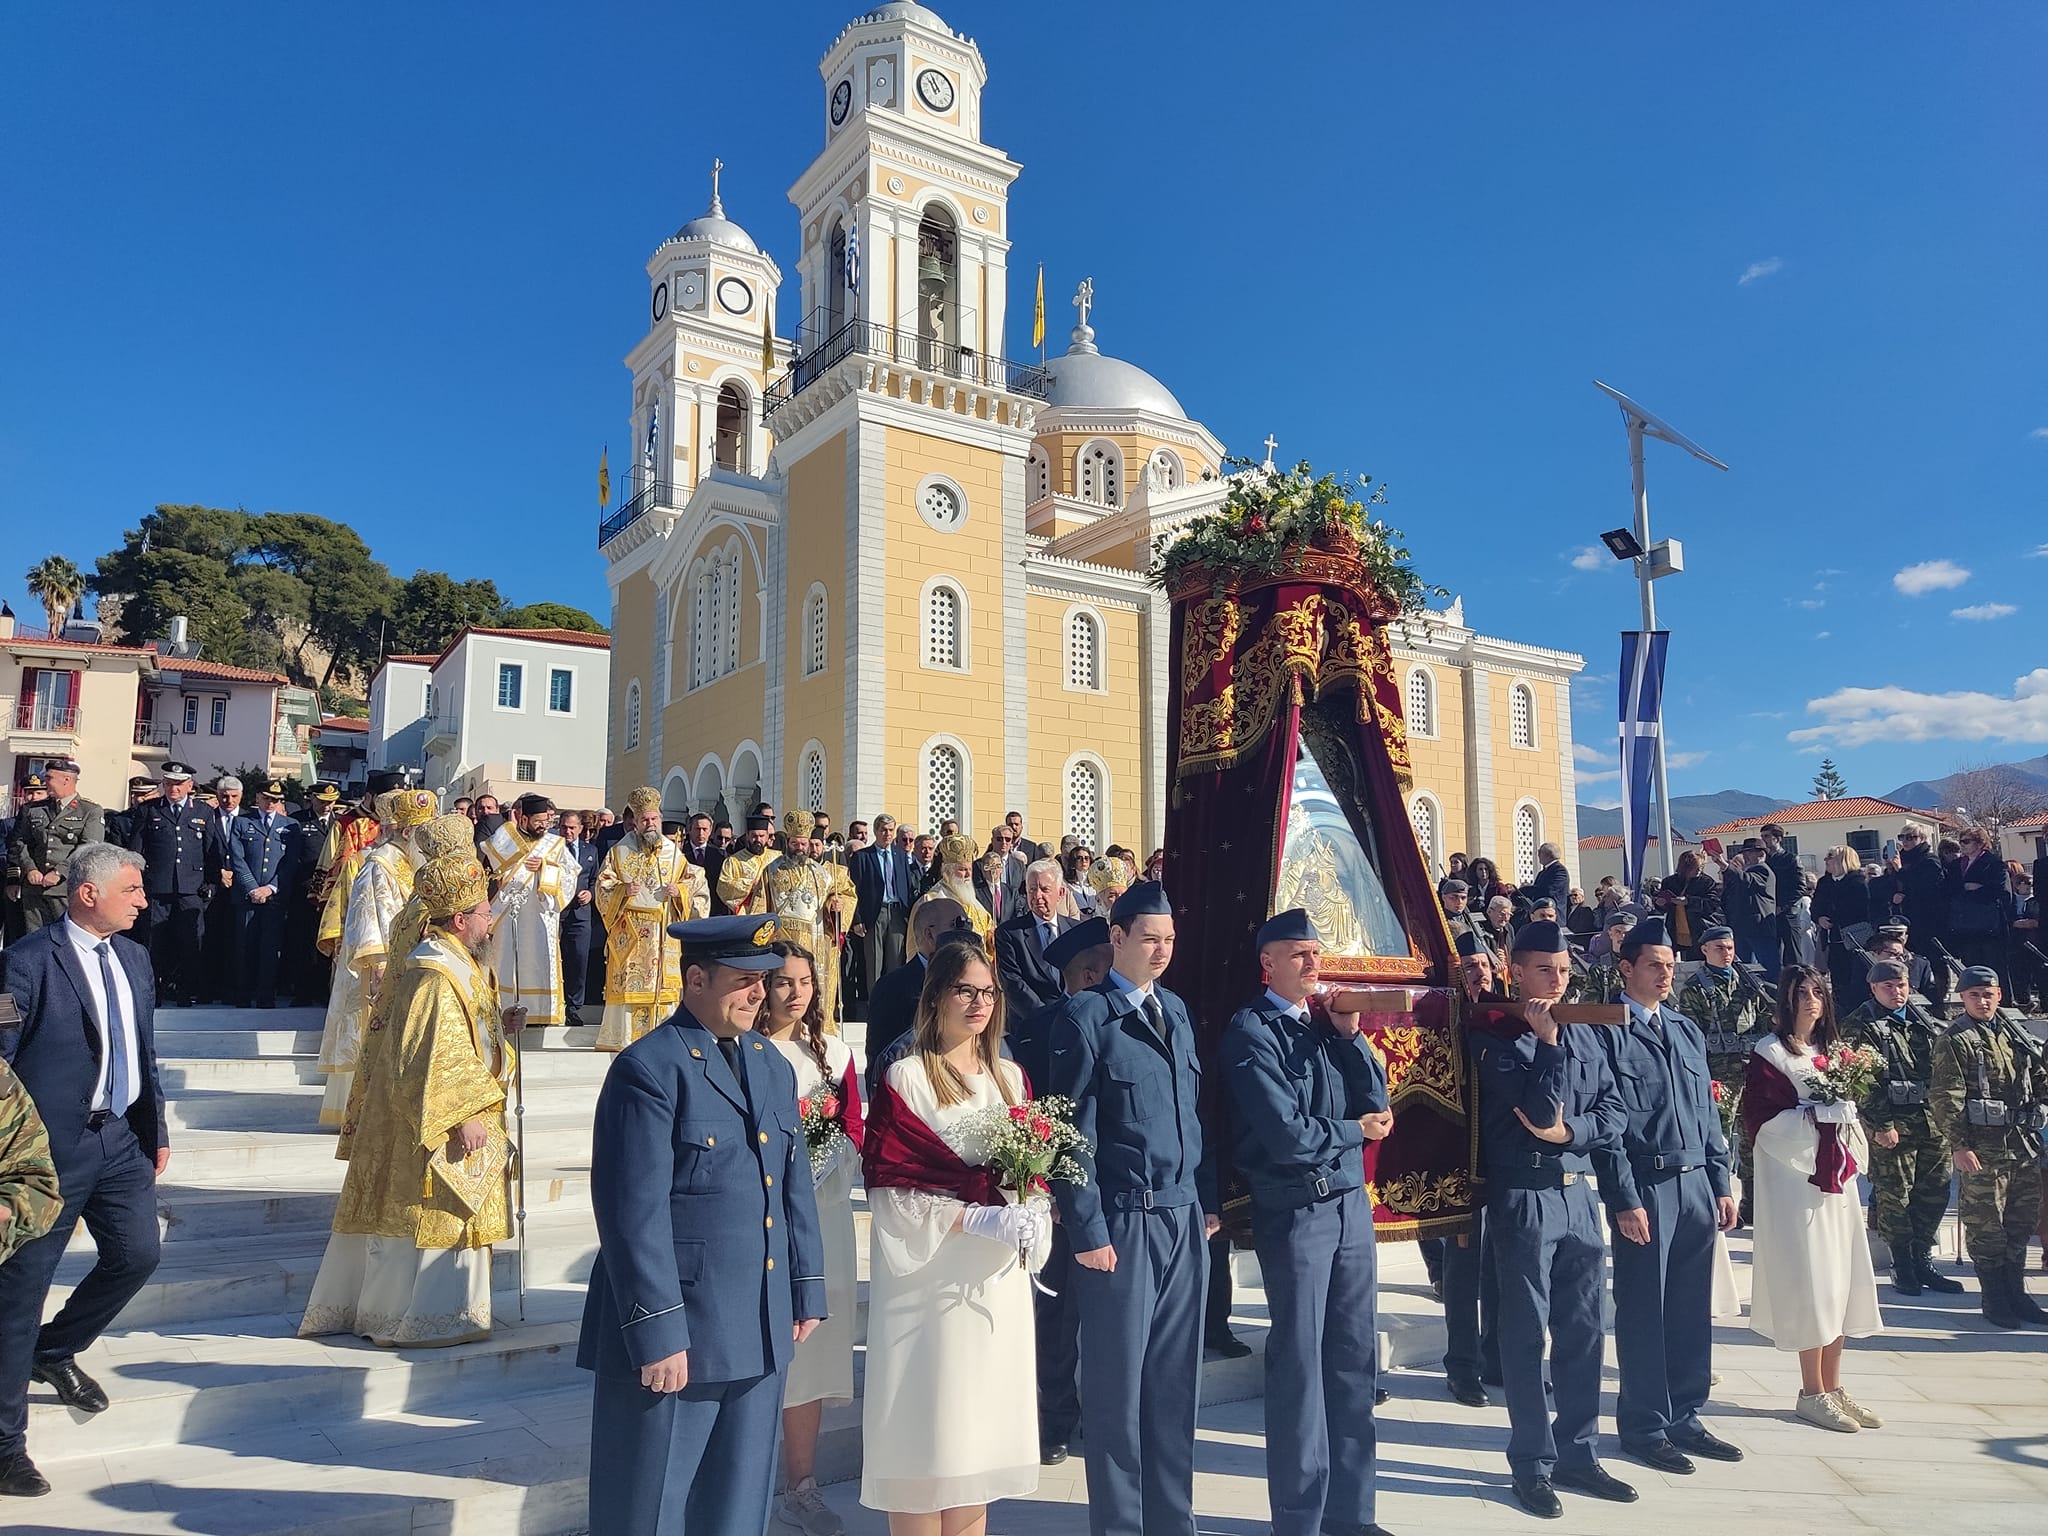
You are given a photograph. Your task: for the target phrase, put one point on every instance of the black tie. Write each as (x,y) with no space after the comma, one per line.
(1155,1017)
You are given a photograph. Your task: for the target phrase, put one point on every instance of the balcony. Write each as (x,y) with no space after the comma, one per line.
(34,717)
(656,493)
(153,735)
(942,360)
(442,733)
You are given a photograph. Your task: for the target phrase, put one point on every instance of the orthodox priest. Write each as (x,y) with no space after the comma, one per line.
(409,1262)
(347,839)
(743,874)
(955,882)
(535,875)
(812,902)
(380,888)
(645,883)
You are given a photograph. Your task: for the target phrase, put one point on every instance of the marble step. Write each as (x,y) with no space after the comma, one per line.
(307,1204)
(237,1276)
(555,1134)
(185,1073)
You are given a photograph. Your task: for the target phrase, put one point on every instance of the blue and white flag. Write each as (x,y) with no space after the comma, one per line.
(653,432)
(853,260)
(1642,725)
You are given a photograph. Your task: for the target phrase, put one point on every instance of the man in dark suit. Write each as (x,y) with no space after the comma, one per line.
(884,887)
(1030,982)
(85,1050)
(892,1005)
(1553,882)
(175,838)
(576,915)
(221,956)
(265,847)
(710,1266)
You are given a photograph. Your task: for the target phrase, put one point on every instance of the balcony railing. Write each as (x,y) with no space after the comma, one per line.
(153,733)
(656,493)
(908,349)
(45,719)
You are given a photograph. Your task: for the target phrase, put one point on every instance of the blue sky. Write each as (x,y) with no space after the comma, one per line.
(381,263)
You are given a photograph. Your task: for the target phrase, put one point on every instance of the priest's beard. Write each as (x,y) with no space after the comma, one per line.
(649,840)
(960,890)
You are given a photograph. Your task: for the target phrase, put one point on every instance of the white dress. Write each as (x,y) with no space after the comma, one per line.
(949,1412)
(822,1370)
(1811,1280)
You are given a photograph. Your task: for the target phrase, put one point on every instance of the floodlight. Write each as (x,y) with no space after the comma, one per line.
(1622,544)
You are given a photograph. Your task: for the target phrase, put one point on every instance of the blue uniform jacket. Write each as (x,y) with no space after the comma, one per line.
(1134,1099)
(264,856)
(1667,1092)
(1540,1080)
(175,839)
(1296,1092)
(707,1225)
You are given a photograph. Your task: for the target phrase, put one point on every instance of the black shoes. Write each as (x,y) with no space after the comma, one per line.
(1381,1397)
(20,1479)
(1052,1453)
(1537,1496)
(1996,1300)
(1595,1482)
(1707,1444)
(1906,1277)
(2024,1307)
(1933,1279)
(75,1389)
(1467,1390)
(1227,1346)
(1661,1454)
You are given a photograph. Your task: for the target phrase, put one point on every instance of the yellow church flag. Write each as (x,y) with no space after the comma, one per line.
(604,477)
(1038,311)
(767,344)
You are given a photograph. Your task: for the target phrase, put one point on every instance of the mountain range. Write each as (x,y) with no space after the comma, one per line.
(1934,794)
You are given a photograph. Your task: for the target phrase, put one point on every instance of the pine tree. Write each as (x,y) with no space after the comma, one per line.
(1829,784)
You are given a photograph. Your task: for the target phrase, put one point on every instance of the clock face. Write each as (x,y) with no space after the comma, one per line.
(660,300)
(936,90)
(734,296)
(842,101)
(689,291)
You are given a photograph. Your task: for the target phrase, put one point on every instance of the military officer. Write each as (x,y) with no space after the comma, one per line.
(1547,1105)
(224,971)
(710,1267)
(1602,980)
(141,790)
(1909,1158)
(1733,1013)
(13,920)
(1124,1052)
(178,868)
(45,837)
(305,967)
(1987,1099)
(1307,1092)
(1471,1273)
(266,848)
(1666,1190)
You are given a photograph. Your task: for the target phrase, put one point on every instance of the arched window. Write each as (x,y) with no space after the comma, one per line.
(810,779)
(945,641)
(1422,811)
(746,777)
(729,445)
(945,784)
(835,280)
(1163,471)
(1522,715)
(1084,653)
(1528,836)
(1421,702)
(633,715)
(1037,476)
(938,294)
(815,653)
(714,648)
(1098,475)
(702,628)
(729,648)
(1084,802)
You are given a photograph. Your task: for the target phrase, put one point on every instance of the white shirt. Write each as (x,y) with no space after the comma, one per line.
(1296,1011)
(87,949)
(1133,995)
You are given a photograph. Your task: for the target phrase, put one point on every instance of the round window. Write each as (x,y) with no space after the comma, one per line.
(941,505)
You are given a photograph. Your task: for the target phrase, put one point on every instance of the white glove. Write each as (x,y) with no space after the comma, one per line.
(1014,1226)
(1842,1113)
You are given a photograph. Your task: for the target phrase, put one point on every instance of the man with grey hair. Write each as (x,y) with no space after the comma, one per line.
(1553,882)
(221,959)
(85,1051)
(885,887)
(1030,981)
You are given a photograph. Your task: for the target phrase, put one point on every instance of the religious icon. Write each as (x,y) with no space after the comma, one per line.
(1325,870)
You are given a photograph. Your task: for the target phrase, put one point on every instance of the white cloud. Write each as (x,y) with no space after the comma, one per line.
(2038,552)
(1929,576)
(1766,714)
(1591,558)
(1582,753)
(1604,805)
(2039,434)
(1824,634)
(1856,716)
(1812,602)
(1685,759)
(1759,269)
(1982,611)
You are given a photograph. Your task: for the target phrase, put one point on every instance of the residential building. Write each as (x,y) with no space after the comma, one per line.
(1600,856)
(222,719)
(1868,825)
(401,704)
(341,752)
(72,698)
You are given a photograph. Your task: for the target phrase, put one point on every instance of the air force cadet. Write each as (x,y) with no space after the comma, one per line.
(1666,1189)
(1547,1102)
(1307,1093)
(1124,1052)
(264,848)
(710,1267)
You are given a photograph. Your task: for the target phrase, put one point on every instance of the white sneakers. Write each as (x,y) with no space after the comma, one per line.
(803,1509)
(1838,1411)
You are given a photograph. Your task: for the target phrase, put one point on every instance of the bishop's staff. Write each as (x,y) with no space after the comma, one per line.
(514,1023)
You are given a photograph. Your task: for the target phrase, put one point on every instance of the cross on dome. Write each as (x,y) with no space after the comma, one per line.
(1271,443)
(716,208)
(1084,298)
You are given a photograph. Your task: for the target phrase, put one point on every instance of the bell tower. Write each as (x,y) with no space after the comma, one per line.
(904,214)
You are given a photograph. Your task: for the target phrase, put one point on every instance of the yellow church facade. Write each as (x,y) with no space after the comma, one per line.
(884,568)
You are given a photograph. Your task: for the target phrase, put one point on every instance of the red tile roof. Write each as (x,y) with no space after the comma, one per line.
(25,642)
(1613,840)
(546,636)
(192,666)
(1847,808)
(343,723)
(2028,824)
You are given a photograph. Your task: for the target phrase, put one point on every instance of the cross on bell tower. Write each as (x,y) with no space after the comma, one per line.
(1272,442)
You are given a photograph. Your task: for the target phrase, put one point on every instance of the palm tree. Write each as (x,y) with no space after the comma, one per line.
(57,584)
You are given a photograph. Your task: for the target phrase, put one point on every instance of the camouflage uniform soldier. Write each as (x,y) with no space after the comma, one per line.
(1987,1100)
(29,1201)
(1600,982)
(1733,1013)
(1909,1159)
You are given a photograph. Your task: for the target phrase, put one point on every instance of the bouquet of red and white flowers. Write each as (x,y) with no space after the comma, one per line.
(1844,1075)
(1031,1143)
(825,1135)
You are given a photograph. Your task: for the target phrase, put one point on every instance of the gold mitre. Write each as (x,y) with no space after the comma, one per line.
(797,823)
(644,799)
(410,808)
(444,835)
(956,849)
(453,883)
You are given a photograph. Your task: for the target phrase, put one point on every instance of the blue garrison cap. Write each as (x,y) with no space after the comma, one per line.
(1076,942)
(740,942)
(1976,976)
(1649,931)
(1284,927)
(1539,938)
(1470,944)
(1717,931)
(1147,898)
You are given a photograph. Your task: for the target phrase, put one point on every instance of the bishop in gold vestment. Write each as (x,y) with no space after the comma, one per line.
(956,883)
(409,1262)
(536,878)
(644,885)
(812,902)
(743,876)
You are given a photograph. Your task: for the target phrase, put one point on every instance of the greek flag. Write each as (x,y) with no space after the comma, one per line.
(1642,724)
(653,432)
(853,260)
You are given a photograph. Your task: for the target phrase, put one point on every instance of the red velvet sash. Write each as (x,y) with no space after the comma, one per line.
(902,1151)
(1767,1093)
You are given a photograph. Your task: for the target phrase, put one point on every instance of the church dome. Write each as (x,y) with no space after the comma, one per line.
(907,10)
(712,225)
(1085,378)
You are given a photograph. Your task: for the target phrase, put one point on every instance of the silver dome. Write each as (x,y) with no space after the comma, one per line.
(1084,377)
(907,10)
(719,230)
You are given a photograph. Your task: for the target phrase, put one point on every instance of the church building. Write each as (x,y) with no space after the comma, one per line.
(887,568)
